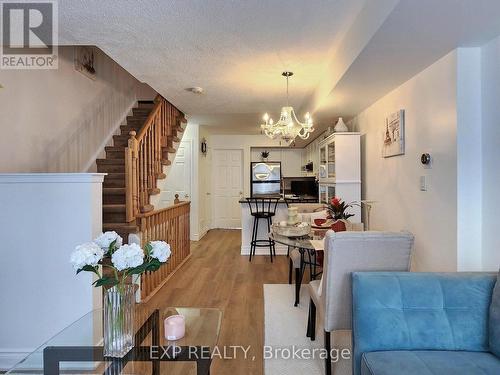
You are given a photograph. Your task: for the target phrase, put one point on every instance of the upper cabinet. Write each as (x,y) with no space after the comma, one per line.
(290,158)
(340,159)
(311,154)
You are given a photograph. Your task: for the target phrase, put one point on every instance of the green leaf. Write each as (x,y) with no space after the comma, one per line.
(88,268)
(148,249)
(105,281)
(154,265)
(137,270)
(112,248)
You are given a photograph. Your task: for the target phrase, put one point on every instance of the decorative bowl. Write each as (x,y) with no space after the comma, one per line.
(297,230)
(319,222)
(327,224)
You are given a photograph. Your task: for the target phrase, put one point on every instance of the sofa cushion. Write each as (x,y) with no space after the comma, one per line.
(495,319)
(429,363)
(420,311)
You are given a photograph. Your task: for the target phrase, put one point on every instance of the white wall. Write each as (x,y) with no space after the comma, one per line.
(40,225)
(191,135)
(204,183)
(469,171)
(490,93)
(190,178)
(429,101)
(59,120)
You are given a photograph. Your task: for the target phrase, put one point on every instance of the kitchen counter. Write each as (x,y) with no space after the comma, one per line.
(305,199)
(247,225)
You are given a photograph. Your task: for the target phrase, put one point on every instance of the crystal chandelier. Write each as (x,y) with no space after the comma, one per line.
(288,126)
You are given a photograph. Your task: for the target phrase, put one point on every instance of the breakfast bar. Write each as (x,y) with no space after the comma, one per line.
(247,225)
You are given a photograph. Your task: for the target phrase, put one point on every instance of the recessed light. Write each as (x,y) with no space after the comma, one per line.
(195,90)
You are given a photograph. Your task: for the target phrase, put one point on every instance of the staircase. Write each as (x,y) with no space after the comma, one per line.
(116,194)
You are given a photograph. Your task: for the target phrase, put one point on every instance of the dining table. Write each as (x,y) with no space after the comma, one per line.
(311,248)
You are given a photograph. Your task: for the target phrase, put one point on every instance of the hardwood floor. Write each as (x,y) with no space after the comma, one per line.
(217,276)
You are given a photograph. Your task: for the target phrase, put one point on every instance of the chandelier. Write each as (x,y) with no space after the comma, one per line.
(288,126)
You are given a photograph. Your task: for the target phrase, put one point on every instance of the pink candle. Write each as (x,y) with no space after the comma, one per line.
(175,327)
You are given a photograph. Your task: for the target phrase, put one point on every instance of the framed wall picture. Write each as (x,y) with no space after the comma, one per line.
(393,136)
(84,61)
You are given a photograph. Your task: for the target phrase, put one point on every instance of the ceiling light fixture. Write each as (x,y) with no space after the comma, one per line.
(288,126)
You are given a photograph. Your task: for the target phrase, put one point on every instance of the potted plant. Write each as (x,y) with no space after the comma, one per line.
(338,211)
(264,155)
(115,264)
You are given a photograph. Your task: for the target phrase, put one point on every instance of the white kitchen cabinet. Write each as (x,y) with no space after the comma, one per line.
(290,158)
(340,170)
(311,154)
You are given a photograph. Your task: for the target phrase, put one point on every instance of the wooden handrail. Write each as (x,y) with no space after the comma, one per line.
(170,224)
(155,212)
(150,118)
(146,154)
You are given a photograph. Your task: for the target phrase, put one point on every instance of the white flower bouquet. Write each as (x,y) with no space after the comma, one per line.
(121,260)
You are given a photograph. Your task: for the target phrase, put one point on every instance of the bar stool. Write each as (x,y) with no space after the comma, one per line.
(262,208)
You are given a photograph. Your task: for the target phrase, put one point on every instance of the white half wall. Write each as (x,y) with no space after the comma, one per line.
(429,101)
(44,216)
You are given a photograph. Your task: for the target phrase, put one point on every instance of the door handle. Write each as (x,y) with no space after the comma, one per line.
(186,196)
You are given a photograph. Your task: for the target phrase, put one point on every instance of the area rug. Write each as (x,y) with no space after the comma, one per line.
(285,333)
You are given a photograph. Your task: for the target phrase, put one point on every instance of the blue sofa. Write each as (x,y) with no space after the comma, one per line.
(426,323)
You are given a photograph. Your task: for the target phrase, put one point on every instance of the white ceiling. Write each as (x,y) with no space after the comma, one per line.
(345,53)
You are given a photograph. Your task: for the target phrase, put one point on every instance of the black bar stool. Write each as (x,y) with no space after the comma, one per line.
(262,208)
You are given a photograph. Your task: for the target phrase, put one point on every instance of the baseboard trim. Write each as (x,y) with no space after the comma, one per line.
(280,250)
(202,234)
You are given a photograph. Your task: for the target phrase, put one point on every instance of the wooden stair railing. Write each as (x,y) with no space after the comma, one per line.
(147,153)
(171,225)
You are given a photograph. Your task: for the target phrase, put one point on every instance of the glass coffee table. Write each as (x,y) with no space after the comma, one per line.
(309,256)
(78,348)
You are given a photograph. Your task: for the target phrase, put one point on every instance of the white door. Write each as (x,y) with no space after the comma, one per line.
(227,180)
(179,176)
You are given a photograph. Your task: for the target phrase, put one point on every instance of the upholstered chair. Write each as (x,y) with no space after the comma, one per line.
(294,261)
(347,252)
(305,211)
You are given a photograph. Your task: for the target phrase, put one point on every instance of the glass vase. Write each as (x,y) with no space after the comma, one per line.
(119,332)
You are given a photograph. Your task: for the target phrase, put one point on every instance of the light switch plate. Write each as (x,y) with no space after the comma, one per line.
(423,183)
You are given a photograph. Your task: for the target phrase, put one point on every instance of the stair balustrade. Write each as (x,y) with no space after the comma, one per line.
(171,225)
(147,153)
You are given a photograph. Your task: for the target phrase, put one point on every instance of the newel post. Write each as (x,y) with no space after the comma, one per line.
(131,177)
